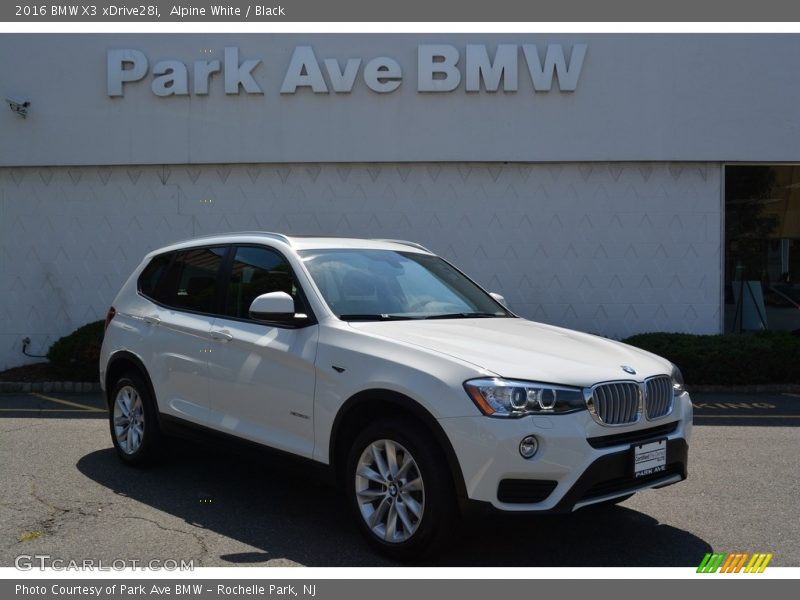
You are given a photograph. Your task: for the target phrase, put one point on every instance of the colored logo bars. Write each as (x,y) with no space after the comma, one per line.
(735,562)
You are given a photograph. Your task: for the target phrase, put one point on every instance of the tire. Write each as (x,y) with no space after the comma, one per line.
(133,421)
(418,480)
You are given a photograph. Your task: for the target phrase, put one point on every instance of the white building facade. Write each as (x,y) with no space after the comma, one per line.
(581,176)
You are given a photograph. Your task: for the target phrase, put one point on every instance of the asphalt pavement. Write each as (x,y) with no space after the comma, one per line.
(66,494)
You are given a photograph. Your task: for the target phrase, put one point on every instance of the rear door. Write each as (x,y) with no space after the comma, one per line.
(178,330)
(261,376)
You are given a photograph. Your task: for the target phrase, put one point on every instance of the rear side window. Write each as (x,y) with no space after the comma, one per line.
(257,271)
(190,281)
(148,280)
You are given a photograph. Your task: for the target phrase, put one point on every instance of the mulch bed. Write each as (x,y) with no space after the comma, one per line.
(35,372)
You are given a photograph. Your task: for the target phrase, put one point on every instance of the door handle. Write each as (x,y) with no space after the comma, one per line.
(222,335)
(151,319)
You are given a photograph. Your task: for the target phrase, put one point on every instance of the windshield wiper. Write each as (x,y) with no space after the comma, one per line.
(374,317)
(465,315)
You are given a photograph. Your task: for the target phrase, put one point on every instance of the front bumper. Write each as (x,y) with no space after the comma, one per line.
(579,462)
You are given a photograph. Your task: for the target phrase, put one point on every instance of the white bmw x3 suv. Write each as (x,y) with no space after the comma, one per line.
(422,392)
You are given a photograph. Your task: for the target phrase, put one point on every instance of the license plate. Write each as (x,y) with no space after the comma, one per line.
(649,458)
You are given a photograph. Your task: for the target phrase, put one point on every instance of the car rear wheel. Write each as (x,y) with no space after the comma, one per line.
(132,419)
(400,489)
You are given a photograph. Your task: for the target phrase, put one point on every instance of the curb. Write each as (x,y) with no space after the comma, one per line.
(49,386)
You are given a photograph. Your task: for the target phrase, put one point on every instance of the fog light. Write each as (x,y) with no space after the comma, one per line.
(528,446)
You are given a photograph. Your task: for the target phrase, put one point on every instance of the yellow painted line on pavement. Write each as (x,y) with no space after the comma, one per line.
(67,402)
(696,416)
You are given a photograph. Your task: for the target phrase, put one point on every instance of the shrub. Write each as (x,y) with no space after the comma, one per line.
(75,356)
(734,359)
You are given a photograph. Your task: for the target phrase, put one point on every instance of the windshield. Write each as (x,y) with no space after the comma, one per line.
(360,284)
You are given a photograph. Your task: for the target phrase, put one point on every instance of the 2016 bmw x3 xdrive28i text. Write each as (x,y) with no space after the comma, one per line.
(423,392)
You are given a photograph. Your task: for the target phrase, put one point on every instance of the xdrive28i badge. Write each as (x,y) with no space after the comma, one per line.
(629,370)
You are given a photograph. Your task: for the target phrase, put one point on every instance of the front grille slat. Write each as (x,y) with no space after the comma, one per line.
(601,404)
(616,403)
(628,404)
(659,397)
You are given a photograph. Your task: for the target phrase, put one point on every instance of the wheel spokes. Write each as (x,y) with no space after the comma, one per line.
(128,420)
(376,518)
(391,522)
(414,506)
(377,456)
(370,494)
(404,518)
(404,468)
(368,473)
(415,485)
(389,491)
(391,457)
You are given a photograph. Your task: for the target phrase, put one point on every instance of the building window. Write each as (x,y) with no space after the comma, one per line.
(762,247)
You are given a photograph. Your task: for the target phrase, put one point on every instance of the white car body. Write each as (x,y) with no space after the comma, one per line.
(286,388)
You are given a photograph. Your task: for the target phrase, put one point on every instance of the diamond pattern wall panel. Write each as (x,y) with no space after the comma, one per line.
(613,249)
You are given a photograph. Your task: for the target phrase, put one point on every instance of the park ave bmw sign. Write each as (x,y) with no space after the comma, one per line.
(440,68)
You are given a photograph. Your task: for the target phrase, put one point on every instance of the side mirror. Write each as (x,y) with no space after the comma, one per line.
(499,297)
(274,306)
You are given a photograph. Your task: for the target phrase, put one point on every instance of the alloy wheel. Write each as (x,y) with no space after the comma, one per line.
(129,419)
(390,491)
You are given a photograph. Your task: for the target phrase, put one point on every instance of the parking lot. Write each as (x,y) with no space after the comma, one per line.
(65,494)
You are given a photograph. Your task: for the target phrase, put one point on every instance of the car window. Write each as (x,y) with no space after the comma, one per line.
(257,271)
(384,283)
(149,279)
(190,282)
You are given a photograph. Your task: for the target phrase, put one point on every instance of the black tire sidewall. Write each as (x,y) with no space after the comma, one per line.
(440,507)
(151,442)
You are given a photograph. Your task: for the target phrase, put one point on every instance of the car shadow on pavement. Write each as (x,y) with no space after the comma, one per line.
(288,511)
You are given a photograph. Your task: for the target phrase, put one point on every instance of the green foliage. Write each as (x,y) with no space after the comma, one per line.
(735,359)
(75,356)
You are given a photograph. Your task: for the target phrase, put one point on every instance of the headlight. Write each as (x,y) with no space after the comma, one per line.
(508,398)
(677,381)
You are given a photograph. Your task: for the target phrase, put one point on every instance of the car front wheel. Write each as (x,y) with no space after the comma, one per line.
(400,489)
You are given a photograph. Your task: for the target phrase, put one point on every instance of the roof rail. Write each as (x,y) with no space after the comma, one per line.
(276,236)
(405,243)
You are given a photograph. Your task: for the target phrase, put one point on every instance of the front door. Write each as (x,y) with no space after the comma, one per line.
(262,375)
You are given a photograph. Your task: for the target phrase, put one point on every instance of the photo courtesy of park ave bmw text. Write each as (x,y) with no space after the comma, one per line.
(519,299)
(582,176)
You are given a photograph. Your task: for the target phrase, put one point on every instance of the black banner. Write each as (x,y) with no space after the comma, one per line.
(731,587)
(473,11)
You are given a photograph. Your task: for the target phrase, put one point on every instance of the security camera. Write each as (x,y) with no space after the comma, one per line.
(19,106)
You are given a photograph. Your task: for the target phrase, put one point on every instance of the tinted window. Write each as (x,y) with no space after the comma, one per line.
(190,282)
(149,279)
(257,271)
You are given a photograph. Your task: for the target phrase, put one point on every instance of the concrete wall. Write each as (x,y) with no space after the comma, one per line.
(639,98)
(611,248)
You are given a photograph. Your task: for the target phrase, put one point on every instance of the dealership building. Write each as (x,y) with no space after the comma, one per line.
(615,184)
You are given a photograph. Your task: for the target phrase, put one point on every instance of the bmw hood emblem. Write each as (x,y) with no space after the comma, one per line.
(629,370)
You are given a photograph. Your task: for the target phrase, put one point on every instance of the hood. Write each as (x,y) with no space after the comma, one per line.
(520,349)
